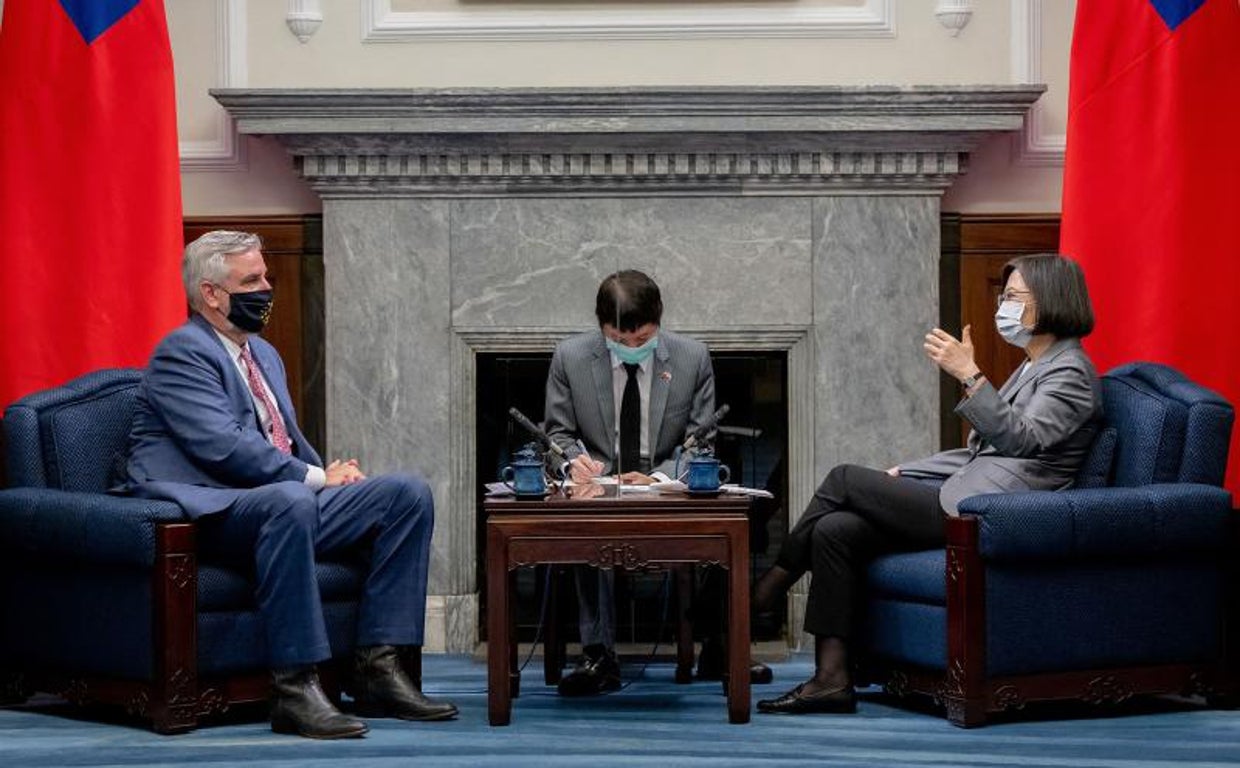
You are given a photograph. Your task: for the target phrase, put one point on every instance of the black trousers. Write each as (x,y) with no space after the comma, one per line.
(856,515)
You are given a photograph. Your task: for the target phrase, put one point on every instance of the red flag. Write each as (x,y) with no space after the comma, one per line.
(90,191)
(1151,202)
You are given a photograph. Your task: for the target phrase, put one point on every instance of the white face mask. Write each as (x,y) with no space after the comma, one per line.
(1007,322)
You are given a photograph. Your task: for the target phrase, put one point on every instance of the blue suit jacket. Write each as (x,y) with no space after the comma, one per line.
(196,439)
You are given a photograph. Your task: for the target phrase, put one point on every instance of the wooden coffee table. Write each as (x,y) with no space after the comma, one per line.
(634,531)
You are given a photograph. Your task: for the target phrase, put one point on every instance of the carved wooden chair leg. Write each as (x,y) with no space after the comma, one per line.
(173,700)
(963,689)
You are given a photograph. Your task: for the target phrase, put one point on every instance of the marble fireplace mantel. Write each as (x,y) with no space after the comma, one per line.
(458,222)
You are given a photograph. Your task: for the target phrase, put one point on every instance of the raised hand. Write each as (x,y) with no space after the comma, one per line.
(952,355)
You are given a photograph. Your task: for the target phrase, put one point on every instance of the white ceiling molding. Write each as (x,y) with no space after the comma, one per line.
(225,151)
(1032,146)
(380,24)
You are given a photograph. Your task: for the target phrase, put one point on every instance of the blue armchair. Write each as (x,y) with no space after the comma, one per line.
(1120,586)
(103,598)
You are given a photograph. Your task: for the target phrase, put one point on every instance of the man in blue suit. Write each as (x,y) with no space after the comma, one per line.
(214,431)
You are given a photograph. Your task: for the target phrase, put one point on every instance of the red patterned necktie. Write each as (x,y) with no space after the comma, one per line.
(279,433)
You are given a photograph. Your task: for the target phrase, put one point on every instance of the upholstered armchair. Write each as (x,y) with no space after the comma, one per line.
(1123,585)
(103,598)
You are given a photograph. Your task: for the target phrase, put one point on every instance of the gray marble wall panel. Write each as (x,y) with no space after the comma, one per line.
(405,275)
(388,374)
(720,262)
(875,296)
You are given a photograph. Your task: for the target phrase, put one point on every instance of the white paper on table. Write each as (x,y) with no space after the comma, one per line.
(499,489)
(741,490)
(669,486)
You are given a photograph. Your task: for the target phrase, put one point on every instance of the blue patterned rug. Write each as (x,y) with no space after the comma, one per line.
(651,722)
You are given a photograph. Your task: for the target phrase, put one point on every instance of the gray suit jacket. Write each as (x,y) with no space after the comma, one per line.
(1031,434)
(580,403)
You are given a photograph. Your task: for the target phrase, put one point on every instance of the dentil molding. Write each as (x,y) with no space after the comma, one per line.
(615,141)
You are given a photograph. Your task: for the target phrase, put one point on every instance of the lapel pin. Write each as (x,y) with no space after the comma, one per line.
(665,376)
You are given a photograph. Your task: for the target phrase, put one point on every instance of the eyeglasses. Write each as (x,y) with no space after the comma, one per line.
(1013,296)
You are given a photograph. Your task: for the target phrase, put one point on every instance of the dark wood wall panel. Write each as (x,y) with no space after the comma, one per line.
(986,243)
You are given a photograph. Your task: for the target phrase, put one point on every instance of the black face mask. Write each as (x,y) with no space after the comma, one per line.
(249,311)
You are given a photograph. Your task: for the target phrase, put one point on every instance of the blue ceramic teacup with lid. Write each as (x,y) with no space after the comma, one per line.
(524,475)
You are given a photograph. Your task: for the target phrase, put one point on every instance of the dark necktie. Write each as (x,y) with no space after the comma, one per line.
(631,422)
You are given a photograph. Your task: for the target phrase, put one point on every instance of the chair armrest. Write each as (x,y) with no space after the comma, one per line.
(1172,520)
(88,527)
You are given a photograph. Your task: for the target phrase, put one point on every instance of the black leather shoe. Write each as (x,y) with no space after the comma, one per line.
(596,673)
(298,705)
(760,674)
(712,664)
(380,688)
(840,701)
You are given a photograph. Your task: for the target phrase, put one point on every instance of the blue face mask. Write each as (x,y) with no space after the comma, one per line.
(633,355)
(1007,322)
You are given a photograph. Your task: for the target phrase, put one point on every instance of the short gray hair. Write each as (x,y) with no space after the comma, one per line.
(204,259)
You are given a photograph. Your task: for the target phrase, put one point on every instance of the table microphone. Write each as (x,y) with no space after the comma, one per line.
(543,438)
(708,426)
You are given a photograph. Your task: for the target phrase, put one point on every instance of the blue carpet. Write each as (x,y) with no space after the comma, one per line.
(652,722)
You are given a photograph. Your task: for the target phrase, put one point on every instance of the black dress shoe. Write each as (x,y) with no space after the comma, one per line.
(299,706)
(380,688)
(596,673)
(712,665)
(795,702)
(760,674)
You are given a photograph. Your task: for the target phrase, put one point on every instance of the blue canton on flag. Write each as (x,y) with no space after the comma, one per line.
(94,17)
(1174,12)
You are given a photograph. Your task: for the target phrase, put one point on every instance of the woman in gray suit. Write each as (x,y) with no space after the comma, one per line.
(1032,433)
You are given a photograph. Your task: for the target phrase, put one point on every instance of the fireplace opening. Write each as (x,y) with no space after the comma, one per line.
(752,441)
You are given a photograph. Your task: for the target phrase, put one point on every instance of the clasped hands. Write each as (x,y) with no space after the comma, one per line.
(583,469)
(343,473)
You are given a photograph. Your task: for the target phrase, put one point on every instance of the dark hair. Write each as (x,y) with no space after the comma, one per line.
(1058,287)
(628,299)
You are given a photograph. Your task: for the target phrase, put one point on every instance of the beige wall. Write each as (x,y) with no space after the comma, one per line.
(456,43)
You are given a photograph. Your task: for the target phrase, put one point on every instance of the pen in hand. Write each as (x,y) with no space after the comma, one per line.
(587,464)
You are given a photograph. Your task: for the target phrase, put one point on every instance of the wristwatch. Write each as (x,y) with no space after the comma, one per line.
(969,382)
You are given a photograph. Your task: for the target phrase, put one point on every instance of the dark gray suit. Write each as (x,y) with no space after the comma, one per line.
(1031,434)
(580,404)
